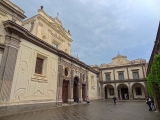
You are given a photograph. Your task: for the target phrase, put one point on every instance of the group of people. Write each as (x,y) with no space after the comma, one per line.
(150,103)
(87,100)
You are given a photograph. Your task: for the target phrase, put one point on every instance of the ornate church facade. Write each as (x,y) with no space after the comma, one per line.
(36,65)
(36,61)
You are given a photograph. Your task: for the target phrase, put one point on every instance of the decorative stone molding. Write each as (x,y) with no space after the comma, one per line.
(12,42)
(14,8)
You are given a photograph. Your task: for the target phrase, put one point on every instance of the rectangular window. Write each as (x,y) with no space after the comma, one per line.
(39,65)
(54,45)
(108,76)
(138,91)
(121,76)
(111,91)
(135,75)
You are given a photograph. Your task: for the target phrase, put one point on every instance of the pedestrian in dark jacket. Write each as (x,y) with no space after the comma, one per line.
(148,101)
(114,99)
(77,100)
(152,103)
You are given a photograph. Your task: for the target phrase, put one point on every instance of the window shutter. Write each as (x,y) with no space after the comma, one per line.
(39,65)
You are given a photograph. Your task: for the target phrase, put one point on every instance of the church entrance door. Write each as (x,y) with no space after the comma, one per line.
(83,91)
(65,91)
(75,89)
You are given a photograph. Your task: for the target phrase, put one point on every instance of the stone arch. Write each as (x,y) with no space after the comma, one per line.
(108,84)
(109,91)
(123,91)
(137,83)
(76,82)
(126,84)
(138,90)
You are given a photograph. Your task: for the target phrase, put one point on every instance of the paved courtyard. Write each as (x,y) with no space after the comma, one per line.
(97,110)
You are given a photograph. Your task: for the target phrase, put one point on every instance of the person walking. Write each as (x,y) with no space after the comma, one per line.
(114,99)
(77,100)
(87,100)
(148,101)
(152,103)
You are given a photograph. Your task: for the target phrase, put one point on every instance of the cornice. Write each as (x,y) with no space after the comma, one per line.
(12,27)
(123,81)
(124,66)
(21,15)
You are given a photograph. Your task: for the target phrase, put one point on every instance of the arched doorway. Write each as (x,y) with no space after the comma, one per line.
(83,91)
(75,89)
(65,91)
(123,92)
(138,91)
(109,91)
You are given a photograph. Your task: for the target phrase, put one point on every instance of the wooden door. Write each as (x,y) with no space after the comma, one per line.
(65,91)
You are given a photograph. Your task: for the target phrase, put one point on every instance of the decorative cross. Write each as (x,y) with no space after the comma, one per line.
(57,14)
(118,52)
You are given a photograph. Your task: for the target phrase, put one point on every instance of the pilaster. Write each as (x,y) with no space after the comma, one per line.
(59,84)
(8,64)
(115,91)
(80,88)
(70,93)
(130,92)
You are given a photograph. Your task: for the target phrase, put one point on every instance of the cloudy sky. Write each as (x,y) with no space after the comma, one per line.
(101,28)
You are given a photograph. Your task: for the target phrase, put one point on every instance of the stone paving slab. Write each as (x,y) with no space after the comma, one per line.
(97,110)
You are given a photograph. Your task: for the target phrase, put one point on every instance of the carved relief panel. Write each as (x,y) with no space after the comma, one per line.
(22,78)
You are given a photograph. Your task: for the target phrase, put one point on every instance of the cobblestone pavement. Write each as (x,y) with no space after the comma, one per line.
(96,110)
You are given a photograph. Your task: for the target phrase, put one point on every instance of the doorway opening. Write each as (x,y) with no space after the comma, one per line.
(65,91)
(83,91)
(75,89)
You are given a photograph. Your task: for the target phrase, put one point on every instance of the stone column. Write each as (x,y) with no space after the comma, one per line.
(115,91)
(87,84)
(70,95)
(128,73)
(130,92)
(59,86)
(102,92)
(143,72)
(114,75)
(80,89)
(8,63)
